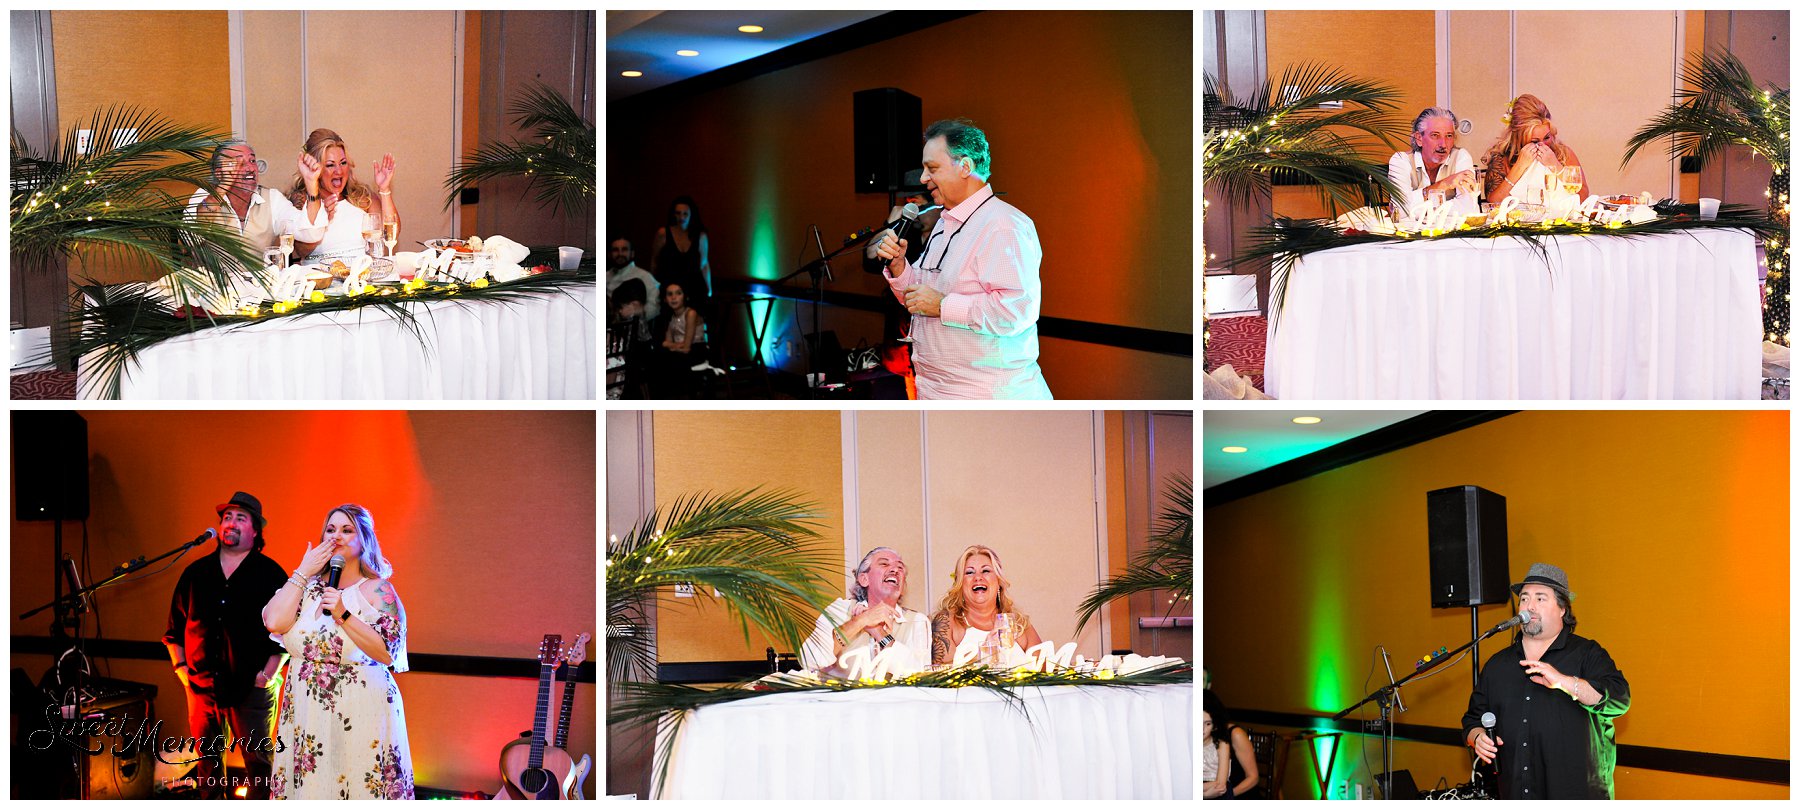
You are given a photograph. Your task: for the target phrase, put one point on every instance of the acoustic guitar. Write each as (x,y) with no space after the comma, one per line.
(574,655)
(535,769)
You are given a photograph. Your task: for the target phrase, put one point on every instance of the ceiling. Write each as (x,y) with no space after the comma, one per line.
(646,41)
(1271,437)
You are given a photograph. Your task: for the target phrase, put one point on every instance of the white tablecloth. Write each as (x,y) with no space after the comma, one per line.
(1082,742)
(540,347)
(1672,316)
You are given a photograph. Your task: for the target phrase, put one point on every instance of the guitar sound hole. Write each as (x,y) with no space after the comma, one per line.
(534,780)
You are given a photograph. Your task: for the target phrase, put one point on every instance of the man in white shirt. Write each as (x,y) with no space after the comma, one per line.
(1435,164)
(871,617)
(622,267)
(261,214)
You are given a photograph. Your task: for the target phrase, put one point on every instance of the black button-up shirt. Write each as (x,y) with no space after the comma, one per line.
(1554,747)
(218,623)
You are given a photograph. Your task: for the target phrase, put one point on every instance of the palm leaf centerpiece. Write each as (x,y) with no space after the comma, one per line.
(1720,106)
(558,160)
(123,196)
(1317,122)
(1165,563)
(758,549)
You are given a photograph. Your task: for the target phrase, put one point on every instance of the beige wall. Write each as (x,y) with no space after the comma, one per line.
(1405,59)
(386,82)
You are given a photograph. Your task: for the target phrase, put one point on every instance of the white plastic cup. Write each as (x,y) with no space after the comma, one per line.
(568,258)
(1709,208)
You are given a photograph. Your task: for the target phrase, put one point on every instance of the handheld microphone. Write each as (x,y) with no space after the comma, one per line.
(337,570)
(1492,769)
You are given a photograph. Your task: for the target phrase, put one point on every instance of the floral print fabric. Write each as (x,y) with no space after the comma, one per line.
(342,724)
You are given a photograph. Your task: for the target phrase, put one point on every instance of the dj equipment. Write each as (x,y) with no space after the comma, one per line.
(1467,536)
(888,129)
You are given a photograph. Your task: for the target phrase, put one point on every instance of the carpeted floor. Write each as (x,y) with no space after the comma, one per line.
(44,385)
(1238,341)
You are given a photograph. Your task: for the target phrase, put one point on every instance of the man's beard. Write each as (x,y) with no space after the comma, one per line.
(1534,628)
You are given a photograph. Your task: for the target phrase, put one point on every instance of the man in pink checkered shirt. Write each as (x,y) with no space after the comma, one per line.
(975,293)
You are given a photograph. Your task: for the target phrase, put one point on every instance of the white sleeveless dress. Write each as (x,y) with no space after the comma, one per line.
(342,726)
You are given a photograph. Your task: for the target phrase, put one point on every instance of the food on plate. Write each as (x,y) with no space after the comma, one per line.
(339,269)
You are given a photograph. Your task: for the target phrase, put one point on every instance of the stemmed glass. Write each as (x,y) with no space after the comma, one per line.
(370,229)
(1571,179)
(287,248)
(390,234)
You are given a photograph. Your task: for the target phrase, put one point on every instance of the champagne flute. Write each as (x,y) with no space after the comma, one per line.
(287,248)
(390,234)
(370,226)
(1571,179)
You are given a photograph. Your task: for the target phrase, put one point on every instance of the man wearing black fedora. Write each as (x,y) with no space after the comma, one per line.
(1553,695)
(223,656)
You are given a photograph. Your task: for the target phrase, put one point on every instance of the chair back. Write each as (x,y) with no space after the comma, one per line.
(1265,745)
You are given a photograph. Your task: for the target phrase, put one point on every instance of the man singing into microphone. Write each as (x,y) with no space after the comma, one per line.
(223,656)
(974,294)
(1555,695)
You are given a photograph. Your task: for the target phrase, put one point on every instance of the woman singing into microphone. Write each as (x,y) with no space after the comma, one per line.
(342,726)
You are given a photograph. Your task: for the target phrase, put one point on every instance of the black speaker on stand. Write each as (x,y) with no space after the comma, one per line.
(1467,535)
(888,127)
(50,465)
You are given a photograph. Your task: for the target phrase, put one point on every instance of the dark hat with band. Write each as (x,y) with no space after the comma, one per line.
(1547,575)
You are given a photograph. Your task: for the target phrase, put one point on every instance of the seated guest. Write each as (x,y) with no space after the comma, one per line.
(1435,164)
(627,327)
(679,328)
(1239,753)
(621,267)
(1527,154)
(978,602)
(256,211)
(870,617)
(331,197)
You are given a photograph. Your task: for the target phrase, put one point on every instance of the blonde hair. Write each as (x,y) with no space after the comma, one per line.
(355,192)
(372,562)
(1527,113)
(953,605)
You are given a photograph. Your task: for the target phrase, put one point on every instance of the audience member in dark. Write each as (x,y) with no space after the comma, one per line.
(680,330)
(678,253)
(1238,740)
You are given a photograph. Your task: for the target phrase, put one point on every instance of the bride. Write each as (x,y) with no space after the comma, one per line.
(1526,152)
(979,604)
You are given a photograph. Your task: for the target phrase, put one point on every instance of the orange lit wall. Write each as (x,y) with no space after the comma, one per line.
(1090,119)
(1673,528)
(488,519)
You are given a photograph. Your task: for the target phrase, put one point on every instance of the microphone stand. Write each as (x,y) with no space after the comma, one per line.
(1384,697)
(820,269)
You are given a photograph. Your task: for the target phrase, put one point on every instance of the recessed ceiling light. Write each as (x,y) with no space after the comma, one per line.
(750,29)
(1307,420)
(687,53)
(631,74)
(1235,449)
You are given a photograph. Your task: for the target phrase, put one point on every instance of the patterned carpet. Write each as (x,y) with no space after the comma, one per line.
(1238,341)
(43,385)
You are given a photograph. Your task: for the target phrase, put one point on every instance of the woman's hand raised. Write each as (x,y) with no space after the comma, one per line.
(308,166)
(384,172)
(315,560)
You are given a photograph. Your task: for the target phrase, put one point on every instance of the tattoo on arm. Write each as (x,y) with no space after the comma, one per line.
(940,640)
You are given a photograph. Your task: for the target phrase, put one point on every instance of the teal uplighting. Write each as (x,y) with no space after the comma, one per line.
(765,259)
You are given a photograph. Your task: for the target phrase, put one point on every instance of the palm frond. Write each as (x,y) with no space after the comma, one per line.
(122,198)
(558,160)
(759,549)
(1316,121)
(1718,106)
(1166,562)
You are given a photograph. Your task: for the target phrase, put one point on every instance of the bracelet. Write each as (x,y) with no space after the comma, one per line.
(385,193)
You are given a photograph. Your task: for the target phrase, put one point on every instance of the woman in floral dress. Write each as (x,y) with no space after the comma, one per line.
(342,728)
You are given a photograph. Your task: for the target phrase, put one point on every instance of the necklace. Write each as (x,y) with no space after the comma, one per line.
(947,242)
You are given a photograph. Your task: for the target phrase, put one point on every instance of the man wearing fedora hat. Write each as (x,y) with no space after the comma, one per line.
(1554,695)
(223,656)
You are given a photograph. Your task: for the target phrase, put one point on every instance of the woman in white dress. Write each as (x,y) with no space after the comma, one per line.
(341,725)
(978,603)
(329,195)
(1527,152)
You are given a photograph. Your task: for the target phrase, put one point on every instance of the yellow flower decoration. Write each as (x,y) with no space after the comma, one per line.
(316,297)
(480,283)
(1103,675)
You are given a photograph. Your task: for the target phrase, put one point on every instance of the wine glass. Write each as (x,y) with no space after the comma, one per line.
(390,234)
(1571,179)
(287,248)
(370,228)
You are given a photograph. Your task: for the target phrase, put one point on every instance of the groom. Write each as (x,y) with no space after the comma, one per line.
(871,617)
(222,653)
